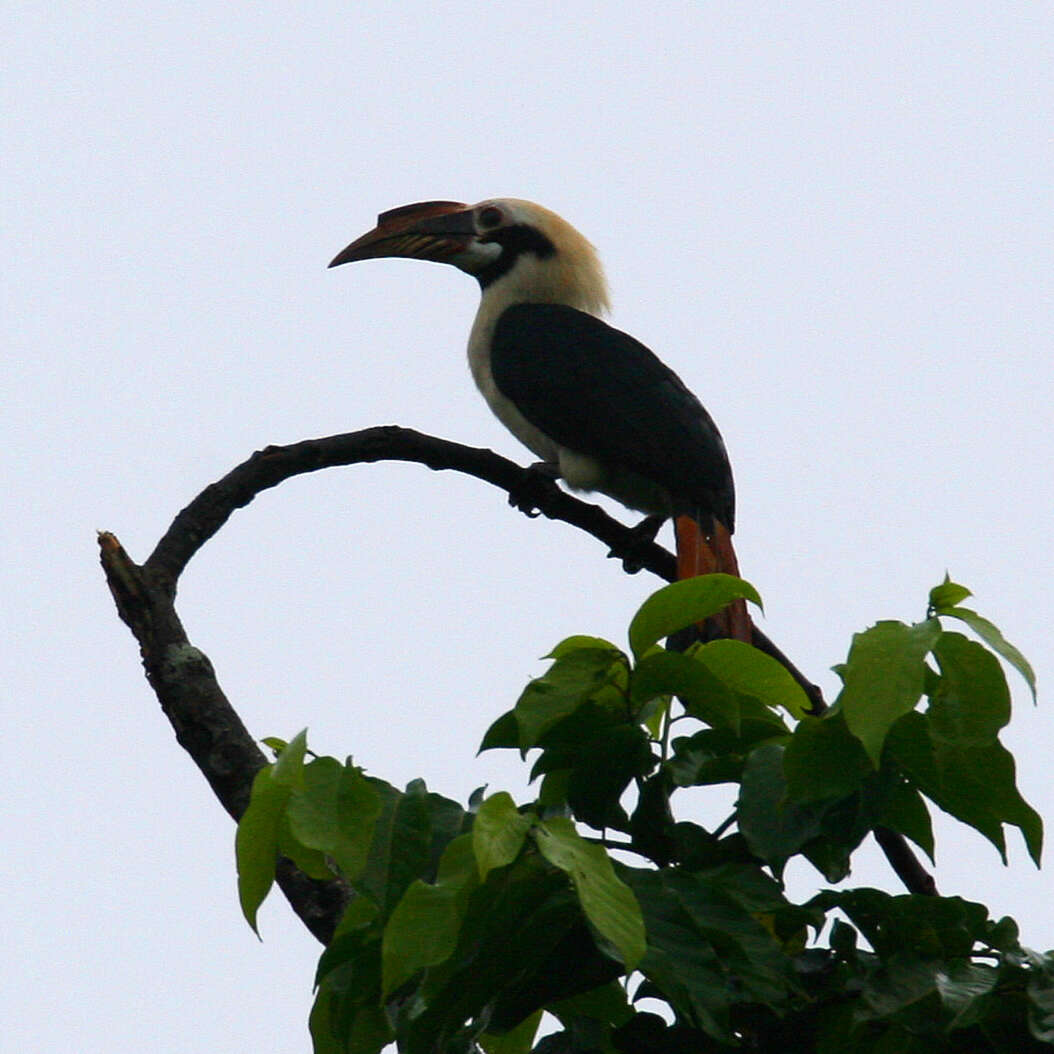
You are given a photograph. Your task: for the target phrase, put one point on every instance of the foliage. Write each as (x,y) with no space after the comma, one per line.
(467,924)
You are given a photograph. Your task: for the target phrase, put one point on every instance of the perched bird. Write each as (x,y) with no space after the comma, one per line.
(600,410)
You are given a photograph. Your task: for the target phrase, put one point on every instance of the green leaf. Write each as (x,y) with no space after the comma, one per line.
(422,931)
(905,811)
(975,785)
(256,842)
(703,694)
(884,679)
(1041,998)
(608,902)
(823,760)
(716,756)
(913,750)
(504,733)
(335,813)
(313,862)
(498,833)
(947,595)
(990,634)
(606,1003)
(933,927)
(651,825)
(569,645)
(400,849)
(347,1017)
(707,949)
(552,794)
(516,1041)
(971,701)
(289,768)
(524,943)
(685,969)
(582,674)
(599,752)
(904,993)
(684,603)
(964,988)
(358,931)
(603,768)
(654,715)
(457,866)
(320,1025)
(774,828)
(994,771)
(705,759)
(410,834)
(749,672)
(761,897)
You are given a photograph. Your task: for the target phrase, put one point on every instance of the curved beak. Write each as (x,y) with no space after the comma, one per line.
(427,230)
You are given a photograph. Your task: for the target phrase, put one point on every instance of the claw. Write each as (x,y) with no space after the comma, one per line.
(535,485)
(640,538)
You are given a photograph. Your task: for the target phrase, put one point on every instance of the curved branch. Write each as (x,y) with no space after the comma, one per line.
(206,724)
(267,468)
(183,679)
(208,512)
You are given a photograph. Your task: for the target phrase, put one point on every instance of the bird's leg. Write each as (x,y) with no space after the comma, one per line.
(640,538)
(536,484)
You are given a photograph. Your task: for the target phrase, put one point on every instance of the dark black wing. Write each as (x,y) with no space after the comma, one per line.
(597,390)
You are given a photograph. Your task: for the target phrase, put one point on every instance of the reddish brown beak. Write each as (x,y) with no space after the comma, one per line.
(428,230)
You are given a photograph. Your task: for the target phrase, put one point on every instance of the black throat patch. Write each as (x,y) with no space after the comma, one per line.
(515,241)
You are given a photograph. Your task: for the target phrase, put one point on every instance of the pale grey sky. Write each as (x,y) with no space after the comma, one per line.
(832,220)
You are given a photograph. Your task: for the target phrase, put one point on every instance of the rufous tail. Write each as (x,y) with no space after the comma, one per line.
(700,554)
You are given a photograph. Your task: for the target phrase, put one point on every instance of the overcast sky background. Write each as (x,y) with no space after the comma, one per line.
(833,220)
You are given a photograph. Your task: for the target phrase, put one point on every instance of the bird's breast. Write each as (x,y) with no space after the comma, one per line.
(479,346)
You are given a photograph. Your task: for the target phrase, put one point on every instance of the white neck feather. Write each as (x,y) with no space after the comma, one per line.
(572,276)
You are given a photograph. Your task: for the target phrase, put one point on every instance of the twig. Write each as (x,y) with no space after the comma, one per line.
(904,862)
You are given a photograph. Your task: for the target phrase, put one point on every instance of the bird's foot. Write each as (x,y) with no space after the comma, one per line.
(641,537)
(535,485)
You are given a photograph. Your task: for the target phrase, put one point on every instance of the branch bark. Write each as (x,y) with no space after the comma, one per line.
(269,467)
(205,723)
(182,677)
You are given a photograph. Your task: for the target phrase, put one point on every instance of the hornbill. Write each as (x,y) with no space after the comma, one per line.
(601,411)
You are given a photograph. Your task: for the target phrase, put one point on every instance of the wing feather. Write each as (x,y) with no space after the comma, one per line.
(600,392)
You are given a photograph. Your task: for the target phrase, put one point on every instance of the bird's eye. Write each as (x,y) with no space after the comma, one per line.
(490,217)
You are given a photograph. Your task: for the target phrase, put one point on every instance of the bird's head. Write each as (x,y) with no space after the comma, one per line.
(516,249)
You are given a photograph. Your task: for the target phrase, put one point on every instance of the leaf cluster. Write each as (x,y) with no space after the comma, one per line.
(467,924)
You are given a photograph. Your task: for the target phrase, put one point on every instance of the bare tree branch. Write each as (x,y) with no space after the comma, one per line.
(207,726)
(904,862)
(208,512)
